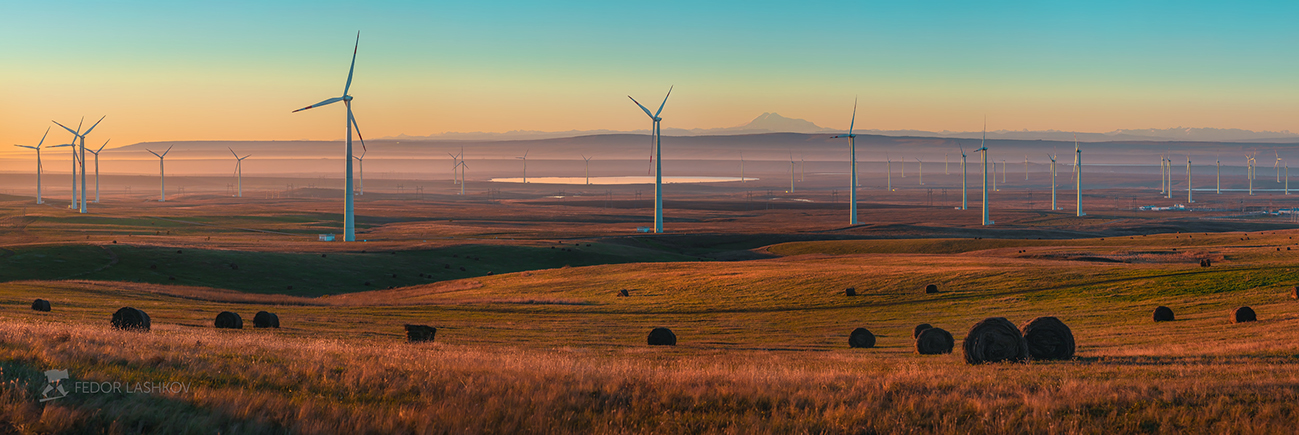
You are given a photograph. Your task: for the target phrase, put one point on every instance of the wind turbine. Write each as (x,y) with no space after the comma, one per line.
(38,163)
(162,175)
(239,170)
(360,169)
(802,167)
(1277,166)
(1025,167)
(983,155)
(1249,172)
(462,165)
(525,165)
(657,140)
(945,170)
(791,172)
(1219,176)
(588,168)
(852,176)
(1162,183)
(1003,171)
(965,189)
(96,153)
(921,165)
(82,137)
(455,165)
(1078,184)
(349,219)
(742,166)
(75,134)
(1052,157)
(888,168)
(1189,199)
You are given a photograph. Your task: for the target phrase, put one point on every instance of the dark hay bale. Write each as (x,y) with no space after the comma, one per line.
(418,333)
(323,255)
(1243,314)
(177,251)
(1294,292)
(41,305)
(930,289)
(462,268)
(131,319)
(290,287)
(229,320)
(1048,339)
(234,266)
(623,293)
(915,333)
(266,320)
(994,339)
(861,338)
(850,291)
(1208,263)
(934,341)
(1163,314)
(662,337)
(153,267)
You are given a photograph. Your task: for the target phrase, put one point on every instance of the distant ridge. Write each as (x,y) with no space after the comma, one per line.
(769,122)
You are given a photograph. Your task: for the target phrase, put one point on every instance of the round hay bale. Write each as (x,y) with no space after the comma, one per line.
(930,289)
(41,305)
(934,341)
(662,337)
(861,338)
(623,293)
(1163,314)
(1294,292)
(131,319)
(1048,339)
(229,320)
(915,332)
(266,320)
(418,333)
(1243,314)
(994,339)
(850,291)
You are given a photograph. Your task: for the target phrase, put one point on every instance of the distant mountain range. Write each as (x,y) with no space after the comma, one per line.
(774,123)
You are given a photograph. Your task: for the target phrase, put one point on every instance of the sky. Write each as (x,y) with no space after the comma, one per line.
(234,70)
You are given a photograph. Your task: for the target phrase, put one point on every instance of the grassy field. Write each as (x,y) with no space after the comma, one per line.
(762,346)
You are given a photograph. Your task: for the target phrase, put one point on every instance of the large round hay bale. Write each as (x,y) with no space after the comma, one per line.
(266,320)
(1243,314)
(930,289)
(41,305)
(994,339)
(850,291)
(915,332)
(662,337)
(861,338)
(229,320)
(1163,314)
(131,319)
(1048,339)
(934,341)
(418,333)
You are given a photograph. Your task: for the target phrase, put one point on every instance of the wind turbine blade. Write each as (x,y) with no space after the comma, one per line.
(358,127)
(101,119)
(47,133)
(642,107)
(232,152)
(74,133)
(665,102)
(101,147)
(353,67)
(61,145)
(25,146)
(151,152)
(854,116)
(164,153)
(322,103)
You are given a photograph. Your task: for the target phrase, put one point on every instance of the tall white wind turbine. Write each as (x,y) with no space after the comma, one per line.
(1277,166)
(965,189)
(791,172)
(96,153)
(38,163)
(525,165)
(983,155)
(1078,183)
(1189,199)
(945,170)
(73,144)
(921,166)
(1053,183)
(455,166)
(852,173)
(82,158)
(588,168)
(162,174)
(349,219)
(657,138)
(239,170)
(1219,188)
(1249,172)
(462,165)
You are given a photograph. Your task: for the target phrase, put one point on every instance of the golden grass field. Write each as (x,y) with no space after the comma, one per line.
(762,337)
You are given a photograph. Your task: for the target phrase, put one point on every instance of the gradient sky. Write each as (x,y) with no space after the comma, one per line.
(233,70)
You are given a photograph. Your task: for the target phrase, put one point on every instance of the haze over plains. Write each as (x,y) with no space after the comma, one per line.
(180,72)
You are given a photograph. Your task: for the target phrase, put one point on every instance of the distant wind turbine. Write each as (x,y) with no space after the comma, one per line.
(462,165)
(852,157)
(525,165)
(657,138)
(82,138)
(1277,166)
(1219,188)
(1249,172)
(1189,199)
(1026,167)
(1053,182)
(588,168)
(1078,183)
(888,168)
(96,153)
(360,170)
(162,174)
(802,167)
(791,172)
(921,165)
(1162,182)
(349,218)
(741,166)
(38,163)
(983,155)
(75,134)
(945,171)
(965,189)
(455,166)
(239,170)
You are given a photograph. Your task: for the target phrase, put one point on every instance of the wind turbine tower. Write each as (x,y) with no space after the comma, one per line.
(38,163)
(983,155)
(965,188)
(657,138)
(77,136)
(742,165)
(349,219)
(1219,188)
(1189,199)
(360,170)
(162,175)
(525,165)
(791,172)
(96,153)
(1078,184)
(455,166)
(852,173)
(1053,182)
(588,168)
(239,170)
